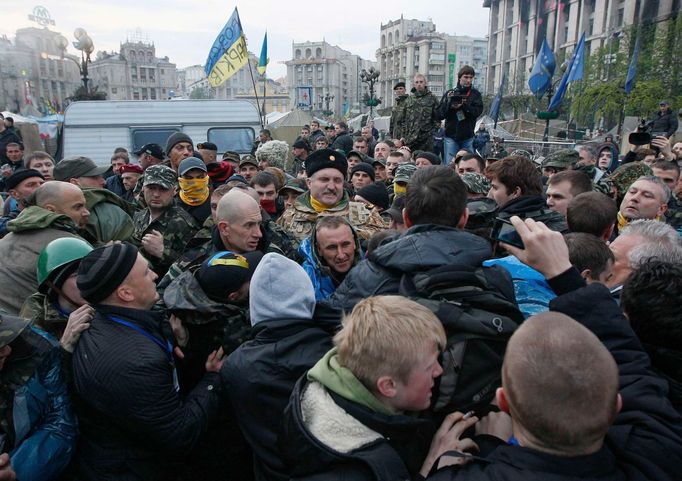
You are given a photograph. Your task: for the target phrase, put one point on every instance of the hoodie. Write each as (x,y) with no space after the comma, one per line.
(280,289)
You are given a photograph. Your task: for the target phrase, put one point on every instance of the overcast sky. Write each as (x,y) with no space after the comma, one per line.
(184,30)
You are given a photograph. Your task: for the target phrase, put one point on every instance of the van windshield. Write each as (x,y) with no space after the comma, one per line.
(237,139)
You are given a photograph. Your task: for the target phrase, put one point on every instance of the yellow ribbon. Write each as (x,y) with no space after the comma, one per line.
(194,191)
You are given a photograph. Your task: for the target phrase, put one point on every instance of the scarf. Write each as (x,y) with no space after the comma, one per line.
(399,189)
(194,192)
(317,206)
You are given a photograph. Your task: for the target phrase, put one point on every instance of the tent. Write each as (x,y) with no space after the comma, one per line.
(288,127)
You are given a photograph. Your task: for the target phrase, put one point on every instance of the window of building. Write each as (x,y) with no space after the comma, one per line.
(318,52)
(133,55)
(383,40)
(297,54)
(114,90)
(161,71)
(308,53)
(136,96)
(390,39)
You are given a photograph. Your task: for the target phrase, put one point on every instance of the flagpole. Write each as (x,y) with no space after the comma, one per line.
(265,79)
(255,92)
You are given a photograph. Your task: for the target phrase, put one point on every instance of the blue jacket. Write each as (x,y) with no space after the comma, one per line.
(530,287)
(320,275)
(43,422)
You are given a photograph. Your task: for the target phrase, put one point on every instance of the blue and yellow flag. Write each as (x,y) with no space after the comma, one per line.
(263,61)
(228,53)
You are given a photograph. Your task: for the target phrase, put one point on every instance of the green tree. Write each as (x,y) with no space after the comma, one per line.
(200,93)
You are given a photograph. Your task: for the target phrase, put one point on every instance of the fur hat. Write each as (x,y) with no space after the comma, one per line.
(275,152)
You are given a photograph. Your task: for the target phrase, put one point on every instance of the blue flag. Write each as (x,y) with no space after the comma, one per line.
(263,60)
(541,77)
(573,72)
(632,70)
(497,101)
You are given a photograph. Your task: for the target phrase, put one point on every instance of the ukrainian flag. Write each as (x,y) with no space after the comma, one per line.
(228,53)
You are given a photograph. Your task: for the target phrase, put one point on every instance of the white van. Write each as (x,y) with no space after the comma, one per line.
(95,128)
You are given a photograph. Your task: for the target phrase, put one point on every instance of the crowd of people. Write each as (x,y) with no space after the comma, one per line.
(348,307)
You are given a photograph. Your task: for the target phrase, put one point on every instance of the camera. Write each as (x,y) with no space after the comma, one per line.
(642,136)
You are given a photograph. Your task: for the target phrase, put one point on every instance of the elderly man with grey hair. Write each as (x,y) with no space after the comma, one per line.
(639,242)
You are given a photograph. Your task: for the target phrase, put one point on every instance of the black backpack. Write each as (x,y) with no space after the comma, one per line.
(478,310)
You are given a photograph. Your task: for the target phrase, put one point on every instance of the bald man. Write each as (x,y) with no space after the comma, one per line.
(56,209)
(232,228)
(565,418)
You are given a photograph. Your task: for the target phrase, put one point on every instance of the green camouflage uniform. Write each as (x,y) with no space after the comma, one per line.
(421,120)
(299,220)
(110,216)
(397,125)
(177,228)
(476,183)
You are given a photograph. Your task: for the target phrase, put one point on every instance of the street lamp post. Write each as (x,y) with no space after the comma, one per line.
(370,77)
(86,47)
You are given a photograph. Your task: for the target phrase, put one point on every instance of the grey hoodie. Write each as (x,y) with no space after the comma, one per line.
(280,289)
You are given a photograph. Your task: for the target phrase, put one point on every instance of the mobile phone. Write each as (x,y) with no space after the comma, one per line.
(504,231)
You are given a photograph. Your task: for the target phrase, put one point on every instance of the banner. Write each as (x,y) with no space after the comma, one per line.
(304,97)
(228,53)
(632,70)
(452,58)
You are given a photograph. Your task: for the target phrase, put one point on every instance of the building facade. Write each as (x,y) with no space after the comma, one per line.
(516,30)
(36,73)
(134,73)
(331,72)
(409,46)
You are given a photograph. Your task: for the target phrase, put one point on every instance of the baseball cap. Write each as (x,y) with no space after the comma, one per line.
(75,167)
(207,146)
(191,163)
(404,171)
(294,184)
(160,175)
(225,272)
(154,150)
(248,159)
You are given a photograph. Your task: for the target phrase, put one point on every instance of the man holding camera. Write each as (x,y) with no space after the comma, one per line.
(460,107)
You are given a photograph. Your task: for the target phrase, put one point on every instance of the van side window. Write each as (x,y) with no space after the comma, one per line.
(151,136)
(238,139)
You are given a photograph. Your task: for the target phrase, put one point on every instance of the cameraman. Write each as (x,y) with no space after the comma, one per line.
(665,123)
(460,107)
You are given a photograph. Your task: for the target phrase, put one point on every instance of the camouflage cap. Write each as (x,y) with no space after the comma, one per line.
(626,175)
(11,327)
(562,159)
(232,156)
(404,171)
(160,175)
(248,159)
(476,183)
(522,153)
(297,185)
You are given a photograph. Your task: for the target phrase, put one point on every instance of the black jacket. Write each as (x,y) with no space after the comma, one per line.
(134,424)
(535,207)
(394,450)
(472,109)
(665,122)
(266,368)
(7,136)
(421,248)
(645,440)
(344,142)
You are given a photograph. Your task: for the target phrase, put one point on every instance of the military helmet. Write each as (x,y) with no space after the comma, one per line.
(11,327)
(55,256)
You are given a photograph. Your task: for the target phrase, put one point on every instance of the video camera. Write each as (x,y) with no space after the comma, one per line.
(643,134)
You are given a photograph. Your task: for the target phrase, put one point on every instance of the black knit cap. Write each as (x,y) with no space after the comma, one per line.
(376,194)
(104,269)
(363,167)
(176,138)
(225,272)
(326,159)
(19,176)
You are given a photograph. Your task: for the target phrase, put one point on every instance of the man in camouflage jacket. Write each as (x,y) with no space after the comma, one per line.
(163,229)
(326,170)
(398,113)
(421,117)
